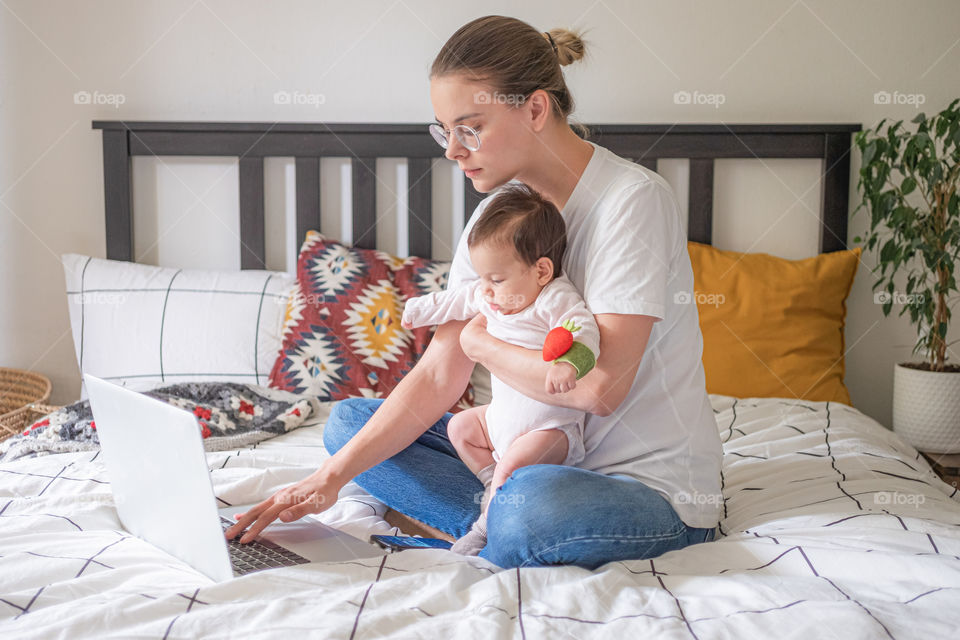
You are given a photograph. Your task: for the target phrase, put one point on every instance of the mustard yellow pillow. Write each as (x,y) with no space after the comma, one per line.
(773,327)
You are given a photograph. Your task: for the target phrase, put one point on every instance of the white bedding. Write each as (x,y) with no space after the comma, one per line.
(833,527)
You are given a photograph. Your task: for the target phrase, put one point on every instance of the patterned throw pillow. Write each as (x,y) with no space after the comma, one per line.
(342,335)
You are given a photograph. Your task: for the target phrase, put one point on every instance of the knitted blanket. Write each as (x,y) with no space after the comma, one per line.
(229,416)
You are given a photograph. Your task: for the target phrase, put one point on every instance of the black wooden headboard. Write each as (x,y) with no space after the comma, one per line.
(251,142)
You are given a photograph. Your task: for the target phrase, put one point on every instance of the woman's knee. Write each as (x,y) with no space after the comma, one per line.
(346,418)
(525,511)
(542,514)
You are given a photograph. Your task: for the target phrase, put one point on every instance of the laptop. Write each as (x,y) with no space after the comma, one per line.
(154,458)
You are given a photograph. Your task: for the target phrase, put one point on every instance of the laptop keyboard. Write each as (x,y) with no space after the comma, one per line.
(259,554)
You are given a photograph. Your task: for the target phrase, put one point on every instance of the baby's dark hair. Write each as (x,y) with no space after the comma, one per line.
(520,217)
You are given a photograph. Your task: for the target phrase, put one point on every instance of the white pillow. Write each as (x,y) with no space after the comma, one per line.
(143,327)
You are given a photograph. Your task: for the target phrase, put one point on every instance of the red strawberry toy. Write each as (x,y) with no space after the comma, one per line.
(559,340)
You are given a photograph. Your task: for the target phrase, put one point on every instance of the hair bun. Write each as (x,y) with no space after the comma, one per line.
(568,44)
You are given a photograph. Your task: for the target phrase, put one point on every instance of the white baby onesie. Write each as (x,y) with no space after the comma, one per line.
(511,413)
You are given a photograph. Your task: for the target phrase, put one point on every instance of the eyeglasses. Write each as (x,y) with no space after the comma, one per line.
(467,136)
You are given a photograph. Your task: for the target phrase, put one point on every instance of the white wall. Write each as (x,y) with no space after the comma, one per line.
(803,61)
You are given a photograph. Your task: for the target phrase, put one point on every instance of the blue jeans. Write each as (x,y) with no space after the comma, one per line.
(543,514)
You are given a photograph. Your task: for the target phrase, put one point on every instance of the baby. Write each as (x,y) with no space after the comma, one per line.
(516,248)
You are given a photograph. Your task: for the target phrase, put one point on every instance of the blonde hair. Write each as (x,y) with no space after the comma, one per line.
(514,59)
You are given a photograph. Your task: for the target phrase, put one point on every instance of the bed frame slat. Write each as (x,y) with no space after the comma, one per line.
(420,206)
(253,253)
(117,194)
(700,206)
(364,186)
(308,196)
(834,192)
(471,198)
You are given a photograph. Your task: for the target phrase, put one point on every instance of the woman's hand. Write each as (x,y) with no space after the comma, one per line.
(313,494)
(472,337)
(561,377)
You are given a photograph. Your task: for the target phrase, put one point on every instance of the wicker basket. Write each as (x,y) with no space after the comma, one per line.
(22,398)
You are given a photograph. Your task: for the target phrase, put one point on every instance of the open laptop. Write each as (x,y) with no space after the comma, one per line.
(154,458)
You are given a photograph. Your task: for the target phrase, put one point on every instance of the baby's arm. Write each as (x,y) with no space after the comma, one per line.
(573,344)
(441,307)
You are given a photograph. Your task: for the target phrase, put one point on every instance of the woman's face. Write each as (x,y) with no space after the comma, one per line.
(497,120)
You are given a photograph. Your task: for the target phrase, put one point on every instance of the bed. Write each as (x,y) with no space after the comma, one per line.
(832,525)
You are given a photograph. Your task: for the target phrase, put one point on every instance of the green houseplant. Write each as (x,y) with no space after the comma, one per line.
(908,180)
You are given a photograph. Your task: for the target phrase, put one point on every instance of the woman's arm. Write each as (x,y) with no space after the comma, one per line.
(421,398)
(623,339)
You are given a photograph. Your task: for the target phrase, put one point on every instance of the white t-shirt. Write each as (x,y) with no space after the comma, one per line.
(627,254)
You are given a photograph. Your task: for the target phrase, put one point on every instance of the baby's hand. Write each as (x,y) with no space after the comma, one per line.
(561,377)
(405,321)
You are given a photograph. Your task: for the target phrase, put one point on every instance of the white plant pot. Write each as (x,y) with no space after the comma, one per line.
(926,408)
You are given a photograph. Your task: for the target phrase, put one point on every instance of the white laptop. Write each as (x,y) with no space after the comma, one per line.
(154,458)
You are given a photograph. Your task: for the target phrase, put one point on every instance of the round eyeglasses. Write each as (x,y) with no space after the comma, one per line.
(467,136)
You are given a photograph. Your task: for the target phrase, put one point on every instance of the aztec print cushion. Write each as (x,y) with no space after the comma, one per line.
(342,335)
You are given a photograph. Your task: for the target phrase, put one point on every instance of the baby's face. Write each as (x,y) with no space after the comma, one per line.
(508,285)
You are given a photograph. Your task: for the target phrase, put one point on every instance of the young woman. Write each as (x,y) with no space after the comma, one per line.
(650,480)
